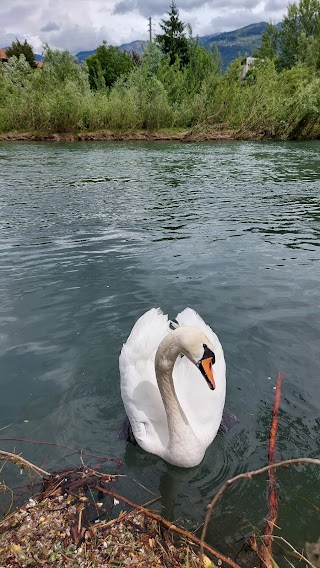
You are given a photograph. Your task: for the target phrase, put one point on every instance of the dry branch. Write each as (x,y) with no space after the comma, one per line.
(295,552)
(57,445)
(23,463)
(265,550)
(248,475)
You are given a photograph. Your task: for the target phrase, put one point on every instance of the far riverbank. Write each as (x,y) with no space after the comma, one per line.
(191,135)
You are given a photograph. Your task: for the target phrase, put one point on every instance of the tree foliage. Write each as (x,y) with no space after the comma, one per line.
(17,48)
(107,65)
(269,43)
(152,58)
(202,63)
(173,41)
(299,31)
(275,100)
(60,67)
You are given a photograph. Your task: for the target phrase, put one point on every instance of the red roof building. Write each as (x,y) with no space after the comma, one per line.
(4,59)
(3,55)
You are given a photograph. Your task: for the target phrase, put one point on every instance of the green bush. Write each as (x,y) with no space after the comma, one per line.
(158,94)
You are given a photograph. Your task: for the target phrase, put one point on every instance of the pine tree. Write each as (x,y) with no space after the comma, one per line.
(17,48)
(173,41)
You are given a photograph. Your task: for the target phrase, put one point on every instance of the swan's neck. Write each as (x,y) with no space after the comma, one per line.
(168,351)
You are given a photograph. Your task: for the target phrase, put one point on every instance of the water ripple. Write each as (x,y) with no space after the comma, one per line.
(94,234)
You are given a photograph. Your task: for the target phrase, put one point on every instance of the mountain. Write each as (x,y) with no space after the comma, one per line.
(237,43)
(136,46)
(241,42)
(82,55)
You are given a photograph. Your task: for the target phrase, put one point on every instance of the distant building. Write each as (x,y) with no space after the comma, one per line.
(3,56)
(246,64)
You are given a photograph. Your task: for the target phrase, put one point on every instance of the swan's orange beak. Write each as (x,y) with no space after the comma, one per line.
(205,366)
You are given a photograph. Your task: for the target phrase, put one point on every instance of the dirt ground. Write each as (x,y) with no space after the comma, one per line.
(196,134)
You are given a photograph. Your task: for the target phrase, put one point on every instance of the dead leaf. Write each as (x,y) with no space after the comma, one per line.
(17,550)
(78,536)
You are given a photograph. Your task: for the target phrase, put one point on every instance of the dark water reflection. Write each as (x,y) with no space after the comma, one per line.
(94,234)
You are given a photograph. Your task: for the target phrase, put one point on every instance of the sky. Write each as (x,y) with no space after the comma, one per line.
(80,25)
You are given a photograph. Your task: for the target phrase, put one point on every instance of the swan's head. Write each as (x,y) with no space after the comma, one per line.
(200,351)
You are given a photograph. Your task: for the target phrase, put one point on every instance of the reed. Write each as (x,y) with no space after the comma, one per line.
(267,103)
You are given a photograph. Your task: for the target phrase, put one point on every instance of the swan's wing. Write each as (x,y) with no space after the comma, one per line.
(202,407)
(139,389)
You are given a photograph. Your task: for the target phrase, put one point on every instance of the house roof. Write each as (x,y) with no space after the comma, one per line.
(3,57)
(3,54)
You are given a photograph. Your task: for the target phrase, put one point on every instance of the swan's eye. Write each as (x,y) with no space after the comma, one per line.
(208,354)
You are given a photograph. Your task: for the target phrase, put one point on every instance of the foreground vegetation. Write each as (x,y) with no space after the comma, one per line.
(279,98)
(76,517)
(72,523)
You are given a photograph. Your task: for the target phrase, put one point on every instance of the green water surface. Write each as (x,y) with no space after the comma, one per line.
(94,234)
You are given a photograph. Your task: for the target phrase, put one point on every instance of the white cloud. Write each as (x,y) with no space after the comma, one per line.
(79,25)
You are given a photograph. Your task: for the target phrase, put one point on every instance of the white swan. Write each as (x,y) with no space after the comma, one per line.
(172,411)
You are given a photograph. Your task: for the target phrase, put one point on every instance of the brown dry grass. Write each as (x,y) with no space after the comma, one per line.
(46,533)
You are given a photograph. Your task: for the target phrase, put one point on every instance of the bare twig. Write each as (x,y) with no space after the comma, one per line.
(299,555)
(265,551)
(172,527)
(22,462)
(140,484)
(104,524)
(74,450)
(248,475)
(4,427)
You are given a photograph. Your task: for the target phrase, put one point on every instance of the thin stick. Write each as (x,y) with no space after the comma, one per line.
(84,452)
(4,427)
(104,524)
(300,556)
(172,527)
(247,475)
(265,551)
(143,486)
(21,461)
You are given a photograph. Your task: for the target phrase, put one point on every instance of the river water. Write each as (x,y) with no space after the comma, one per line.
(93,235)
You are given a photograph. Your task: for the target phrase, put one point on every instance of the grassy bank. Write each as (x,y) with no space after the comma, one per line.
(159,102)
(190,135)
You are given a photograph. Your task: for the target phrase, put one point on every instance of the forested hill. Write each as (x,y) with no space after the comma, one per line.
(136,46)
(240,42)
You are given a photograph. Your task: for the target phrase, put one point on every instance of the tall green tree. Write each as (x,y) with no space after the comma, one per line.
(107,65)
(309,51)
(299,27)
(203,63)
(173,41)
(269,43)
(17,48)
(151,59)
